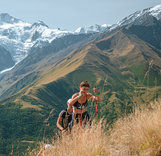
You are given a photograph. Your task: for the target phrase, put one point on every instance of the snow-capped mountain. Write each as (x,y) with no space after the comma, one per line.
(18,36)
(6,18)
(139,17)
(92,29)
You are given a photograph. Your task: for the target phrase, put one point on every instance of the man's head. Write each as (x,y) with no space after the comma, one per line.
(84,87)
(69,109)
(68,102)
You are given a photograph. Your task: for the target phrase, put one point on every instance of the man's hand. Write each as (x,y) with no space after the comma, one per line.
(64,131)
(96,92)
(80,94)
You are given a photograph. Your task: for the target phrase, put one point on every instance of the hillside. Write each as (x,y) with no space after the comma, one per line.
(6,60)
(125,65)
(38,62)
(131,135)
(117,64)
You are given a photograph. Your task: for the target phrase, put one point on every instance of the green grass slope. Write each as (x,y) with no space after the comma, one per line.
(125,69)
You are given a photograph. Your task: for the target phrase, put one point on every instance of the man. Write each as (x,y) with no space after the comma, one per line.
(65,117)
(79,102)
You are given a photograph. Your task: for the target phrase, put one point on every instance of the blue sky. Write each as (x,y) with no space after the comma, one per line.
(71,14)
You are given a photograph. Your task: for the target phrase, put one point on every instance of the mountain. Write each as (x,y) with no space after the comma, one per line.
(92,29)
(140,17)
(124,62)
(18,37)
(7,19)
(40,61)
(6,60)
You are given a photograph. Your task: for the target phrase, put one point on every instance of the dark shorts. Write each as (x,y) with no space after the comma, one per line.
(76,119)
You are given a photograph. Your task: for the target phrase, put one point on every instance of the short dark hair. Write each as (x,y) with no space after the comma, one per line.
(84,84)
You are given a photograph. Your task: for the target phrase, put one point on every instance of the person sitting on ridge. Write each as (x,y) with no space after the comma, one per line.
(79,102)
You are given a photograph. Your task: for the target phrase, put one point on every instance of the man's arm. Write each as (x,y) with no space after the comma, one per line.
(94,98)
(74,98)
(59,123)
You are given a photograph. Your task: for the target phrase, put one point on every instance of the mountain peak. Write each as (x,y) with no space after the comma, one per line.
(156,8)
(156,11)
(139,17)
(39,23)
(92,28)
(5,18)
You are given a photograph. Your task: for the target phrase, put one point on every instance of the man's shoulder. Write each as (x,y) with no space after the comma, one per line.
(62,113)
(74,95)
(89,94)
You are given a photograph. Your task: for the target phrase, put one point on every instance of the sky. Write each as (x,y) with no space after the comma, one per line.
(71,14)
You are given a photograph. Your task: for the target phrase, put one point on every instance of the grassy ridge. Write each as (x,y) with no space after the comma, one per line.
(47,96)
(136,134)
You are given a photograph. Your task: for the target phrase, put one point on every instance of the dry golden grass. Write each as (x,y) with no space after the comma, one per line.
(80,142)
(139,134)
